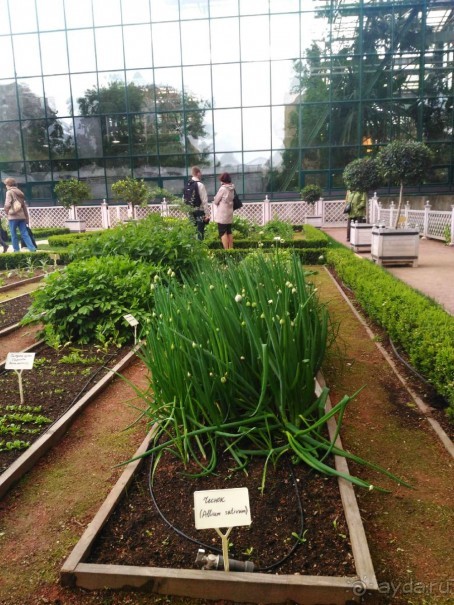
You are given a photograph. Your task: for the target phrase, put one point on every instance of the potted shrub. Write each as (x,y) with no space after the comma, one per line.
(70,194)
(311,195)
(360,177)
(400,162)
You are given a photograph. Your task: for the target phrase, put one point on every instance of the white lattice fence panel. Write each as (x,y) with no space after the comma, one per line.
(385,217)
(144,211)
(50,216)
(292,212)
(334,213)
(439,222)
(117,215)
(91,215)
(252,211)
(415,220)
(175,212)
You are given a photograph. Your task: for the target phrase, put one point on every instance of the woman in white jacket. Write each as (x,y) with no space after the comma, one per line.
(223,202)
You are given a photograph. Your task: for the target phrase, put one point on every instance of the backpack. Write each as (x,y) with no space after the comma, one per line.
(191,194)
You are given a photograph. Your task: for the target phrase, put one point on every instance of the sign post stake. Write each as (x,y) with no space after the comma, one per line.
(21,388)
(225,546)
(19,362)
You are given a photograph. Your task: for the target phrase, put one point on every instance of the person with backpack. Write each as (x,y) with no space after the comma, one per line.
(195,195)
(17,214)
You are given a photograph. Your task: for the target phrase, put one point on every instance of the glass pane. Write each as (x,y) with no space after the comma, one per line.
(437,119)
(97,183)
(38,170)
(58,94)
(4,18)
(81,47)
(137,45)
(226,85)
(40,191)
(88,137)
(345,79)
(284,6)
(140,91)
(61,138)
(170,132)
(256,170)
(195,42)
(173,165)
(344,123)
(252,7)
(31,98)
(26,55)
(198,130)
(256,83)
(50,14)
(255,38)
(315,178)
(285,37)
(6,53)
(223,8)
(119,168)
(23,16)
(257,128)
(36,142)
(106,12)
(78,14)
(115,133)
(284,130)
(220,51)
(64,169)
(54,56)
(227,129)
(166,44)
(315,124)
(197,86)
(109,48)
(135,12)
(228,162)
(164,11)
(11,148)
(168,89)
(143,134)
(85,93)
(145,167)
(8,102)
(112,93)
(284,82)
(193,9)
(341,156)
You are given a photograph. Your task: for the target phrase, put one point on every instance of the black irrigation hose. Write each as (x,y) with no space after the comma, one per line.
(411,368)
(218,550)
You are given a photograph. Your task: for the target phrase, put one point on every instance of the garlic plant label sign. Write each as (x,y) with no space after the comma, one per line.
(216,508)
(19,361)
(132,321)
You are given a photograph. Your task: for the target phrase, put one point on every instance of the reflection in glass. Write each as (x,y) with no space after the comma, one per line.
(11,148)
(145,167)
(137,40)
(58,94)
(315,124)
(115,134)
(26,55)
(135,12)
(168,89)
(198,133)
(40,191)
(4,18)
(23,16)
(256,167)
(83,85)
(50,14)
(110,97)
(95,179)
(31,98)
(256,128)
(106,12)
(195,42)
(284,6)
(284,83)
(172,165)
(341,156)
(140,91)
(197,84)
(64,169)
(227,128)
(164,11)
(220,30)
(88,137)
(285,41)
(170,132)
(81,50)
(36,140)
(143,134)
(189,9)
(226,85)
(78,14)
(166,44)
(38,170)
(54,57)
(118,167)
(256,29)
(61,138)
(223,8)
(344,123)
(8,101)
(109,48)
(284,130)
(6,53)
(255,79)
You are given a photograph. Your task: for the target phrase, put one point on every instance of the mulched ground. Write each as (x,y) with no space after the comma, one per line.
(53,385)
(137,535)
(12,311)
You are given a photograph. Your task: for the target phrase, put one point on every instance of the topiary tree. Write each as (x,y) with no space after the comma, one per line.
(362,175)
(71,193)
(404,163)
(311,194)
(135,192)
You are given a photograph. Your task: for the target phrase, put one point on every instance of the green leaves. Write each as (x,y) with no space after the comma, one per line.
(71,192)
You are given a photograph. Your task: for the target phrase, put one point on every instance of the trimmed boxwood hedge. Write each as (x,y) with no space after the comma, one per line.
(423,329)
(63,241)
(18,260)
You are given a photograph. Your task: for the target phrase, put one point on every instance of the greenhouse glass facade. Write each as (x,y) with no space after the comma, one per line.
(280,93)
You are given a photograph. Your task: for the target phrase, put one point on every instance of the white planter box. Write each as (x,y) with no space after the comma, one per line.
(315,221)
(78,226)
(395,246)
(360,237)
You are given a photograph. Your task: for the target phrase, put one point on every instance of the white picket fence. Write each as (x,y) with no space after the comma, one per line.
(435,224)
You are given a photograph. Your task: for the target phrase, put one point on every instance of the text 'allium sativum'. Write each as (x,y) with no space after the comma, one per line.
(233,353)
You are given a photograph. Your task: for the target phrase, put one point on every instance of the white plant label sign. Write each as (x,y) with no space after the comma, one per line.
(216,508)
(19,361)
(132,321)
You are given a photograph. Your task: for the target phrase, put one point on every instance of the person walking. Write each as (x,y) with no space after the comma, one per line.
(223,202)
(196,196)
(17,214)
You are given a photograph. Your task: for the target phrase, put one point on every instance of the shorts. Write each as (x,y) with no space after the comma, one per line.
(223,229)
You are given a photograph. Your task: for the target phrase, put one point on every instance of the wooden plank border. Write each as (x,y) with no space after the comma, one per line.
(56,431)
(252,587)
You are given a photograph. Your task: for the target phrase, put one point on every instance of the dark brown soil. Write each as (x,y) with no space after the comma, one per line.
(53,386)
(15,276)
(12,311)
(296,500)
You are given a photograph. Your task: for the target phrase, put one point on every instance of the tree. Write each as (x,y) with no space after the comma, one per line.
(72,192)
(404,163)
(362,175)
(135,192)
(311,194)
